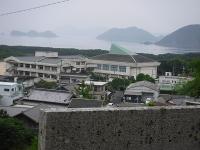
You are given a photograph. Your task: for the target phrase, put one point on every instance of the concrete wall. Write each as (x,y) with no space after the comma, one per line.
(152,128)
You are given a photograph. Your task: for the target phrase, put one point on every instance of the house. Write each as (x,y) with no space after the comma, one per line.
(29,115)
(120,62)
(168,82)
(98,89)
(13,111)
(49,66)
(46,96)
(9,92)
(141,91)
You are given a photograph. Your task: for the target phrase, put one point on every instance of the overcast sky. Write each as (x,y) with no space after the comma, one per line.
(156,16)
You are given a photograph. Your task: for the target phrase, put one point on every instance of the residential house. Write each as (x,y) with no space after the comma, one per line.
(9,92)
(141,91)
(45,96)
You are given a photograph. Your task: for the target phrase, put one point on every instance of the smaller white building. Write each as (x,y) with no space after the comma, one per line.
(9,92)
(168,82)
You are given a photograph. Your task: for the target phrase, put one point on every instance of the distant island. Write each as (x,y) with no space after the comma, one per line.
(33,33)
(187,37)
(130,34)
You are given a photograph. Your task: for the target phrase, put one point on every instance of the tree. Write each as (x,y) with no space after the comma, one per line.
(13,134)
(119,84)
(143,77)
(46,85)
(132,79)
(84,91)
(97,77)
(192,88)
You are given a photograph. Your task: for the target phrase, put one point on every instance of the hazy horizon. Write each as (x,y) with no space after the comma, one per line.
(155,16)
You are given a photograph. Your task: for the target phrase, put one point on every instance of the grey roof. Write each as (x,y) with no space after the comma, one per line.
(30,58)
(49,96)
(34,113)
(51,60)
(123,58)
(84,103)
(48,60)
(145,84)
(79,57)
(13,111)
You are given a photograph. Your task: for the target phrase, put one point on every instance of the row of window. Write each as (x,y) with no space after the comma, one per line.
(111,67)
(40,67)
(7,90)
(80,63)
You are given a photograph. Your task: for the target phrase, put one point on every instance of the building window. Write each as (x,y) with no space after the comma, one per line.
(46,75)
(27,73)
(40,75)
(53,77)
(105,67)
(99,66)
(33,66)
(27,65)
(33,73)
(6,90)
(40,67)
(77,63)
(82,63)
(122,68)
(47,68)
(54,68)
(114,67)
(21,65)
(12,89)
(15,65)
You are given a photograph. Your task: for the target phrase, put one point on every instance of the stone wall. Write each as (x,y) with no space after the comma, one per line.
(147,128)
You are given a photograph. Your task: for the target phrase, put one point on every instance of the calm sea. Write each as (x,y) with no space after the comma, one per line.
(82,42)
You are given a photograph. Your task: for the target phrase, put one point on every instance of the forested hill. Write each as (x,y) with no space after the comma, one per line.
(6,51)
(130,34)
(187,37)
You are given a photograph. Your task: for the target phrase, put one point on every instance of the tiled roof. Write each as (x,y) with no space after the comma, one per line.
(49,96)
(13,111)
(145,84)
(120,54)
(29,58)
(34,113)
(123,58)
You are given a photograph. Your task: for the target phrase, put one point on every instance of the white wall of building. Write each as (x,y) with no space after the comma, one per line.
(9,92)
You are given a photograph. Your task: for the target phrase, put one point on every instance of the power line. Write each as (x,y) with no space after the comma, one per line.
(32,8)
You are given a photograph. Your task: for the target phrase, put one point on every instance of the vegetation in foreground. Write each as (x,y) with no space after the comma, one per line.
(13,134)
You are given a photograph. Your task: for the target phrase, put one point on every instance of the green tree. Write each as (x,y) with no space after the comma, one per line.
(13,134)
(84,91)
(119,84)
(191,88)
(143,77)
(46,85)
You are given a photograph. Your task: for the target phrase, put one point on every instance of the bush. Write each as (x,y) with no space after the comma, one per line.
(119,84)
(145,77)
(13,134)
(46,85)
